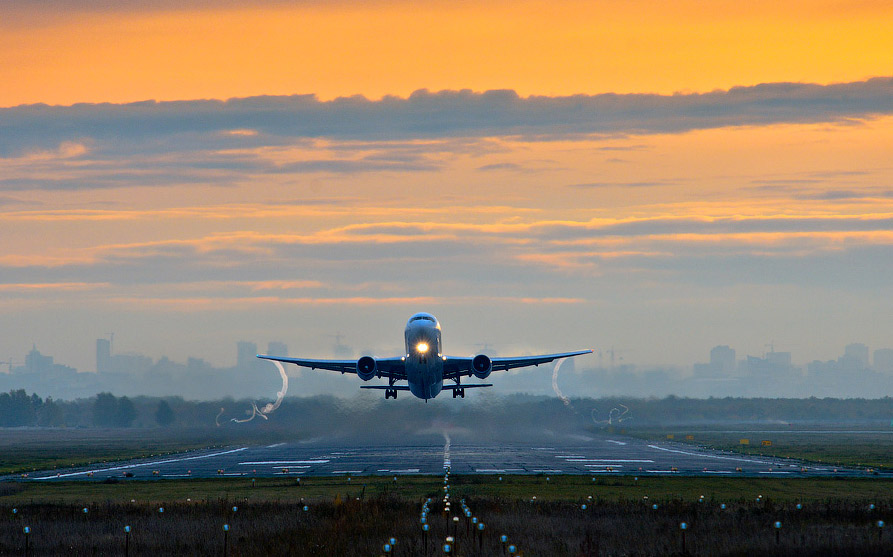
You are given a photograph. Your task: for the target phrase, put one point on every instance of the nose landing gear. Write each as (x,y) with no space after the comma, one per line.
(458,393)
(390,393)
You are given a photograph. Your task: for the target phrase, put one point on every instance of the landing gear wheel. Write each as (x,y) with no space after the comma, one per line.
(458,393)
(390,393)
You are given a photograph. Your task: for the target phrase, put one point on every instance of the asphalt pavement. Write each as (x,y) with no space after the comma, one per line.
(595,454)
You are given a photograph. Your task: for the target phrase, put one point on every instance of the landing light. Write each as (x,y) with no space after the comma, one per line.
(421,347)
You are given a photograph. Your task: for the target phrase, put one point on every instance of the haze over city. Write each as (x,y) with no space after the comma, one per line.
(660,178)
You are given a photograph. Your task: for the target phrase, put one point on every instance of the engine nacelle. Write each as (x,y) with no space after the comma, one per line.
(481,366)
(366,368)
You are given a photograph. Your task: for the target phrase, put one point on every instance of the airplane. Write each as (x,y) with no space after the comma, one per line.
(424,367)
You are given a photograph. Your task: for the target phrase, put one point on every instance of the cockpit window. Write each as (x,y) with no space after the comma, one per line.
(425,317)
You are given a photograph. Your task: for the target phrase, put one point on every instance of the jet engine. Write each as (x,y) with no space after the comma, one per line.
(481,366)
(366,368)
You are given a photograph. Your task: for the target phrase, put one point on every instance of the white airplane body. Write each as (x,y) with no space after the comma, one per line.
(424,367)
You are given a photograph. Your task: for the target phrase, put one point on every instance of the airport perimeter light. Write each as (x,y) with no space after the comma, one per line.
(777,531)
(683,526)
(880,529)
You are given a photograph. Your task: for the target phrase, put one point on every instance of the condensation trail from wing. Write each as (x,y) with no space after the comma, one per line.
(618,414)
(269,408)
(555,388)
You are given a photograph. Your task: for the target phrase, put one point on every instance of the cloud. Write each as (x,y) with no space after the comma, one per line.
(427,115)
(223,143)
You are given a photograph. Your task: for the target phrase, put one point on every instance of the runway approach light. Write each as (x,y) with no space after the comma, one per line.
(422,348)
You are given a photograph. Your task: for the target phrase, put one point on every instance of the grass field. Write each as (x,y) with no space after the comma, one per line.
(555,488)
(864,448)
(357,517)
(30,449)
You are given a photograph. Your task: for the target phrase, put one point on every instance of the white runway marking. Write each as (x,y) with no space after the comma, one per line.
(275,445)
(569,456)
(611,460)
(139,465)
(348,472)
(280,462)
(489,470)
(616,442)
(704,455)
(603,465)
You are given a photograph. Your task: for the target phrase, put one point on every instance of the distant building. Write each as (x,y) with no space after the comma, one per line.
(858,352)
(246,354)
(106,362)
(38,364)
(103,355)
(773,364)
(779,360)
(35,362)
(722,360)
(883,360)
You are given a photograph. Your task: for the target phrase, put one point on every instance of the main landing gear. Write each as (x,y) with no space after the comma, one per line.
(458,393)
(390,393)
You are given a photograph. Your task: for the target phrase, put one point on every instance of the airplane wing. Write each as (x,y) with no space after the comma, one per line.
(458,366)
(387,367)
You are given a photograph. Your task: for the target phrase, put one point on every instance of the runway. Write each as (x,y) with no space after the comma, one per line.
(594,454)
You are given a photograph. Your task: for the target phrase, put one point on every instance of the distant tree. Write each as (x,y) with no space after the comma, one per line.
(50,414)
(126,412)
(163,414)
(105,410)
(18,409)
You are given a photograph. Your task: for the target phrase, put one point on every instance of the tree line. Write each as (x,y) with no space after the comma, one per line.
(19,409)
(500,414)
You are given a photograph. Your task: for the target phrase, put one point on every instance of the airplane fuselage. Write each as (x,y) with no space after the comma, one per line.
(424,356)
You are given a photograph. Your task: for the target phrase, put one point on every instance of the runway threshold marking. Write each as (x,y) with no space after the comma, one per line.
(140,464)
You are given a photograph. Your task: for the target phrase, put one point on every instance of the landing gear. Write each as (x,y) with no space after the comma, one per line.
(390,393)
(458,393)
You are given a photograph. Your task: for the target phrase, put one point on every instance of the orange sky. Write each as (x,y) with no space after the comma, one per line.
(381,48)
